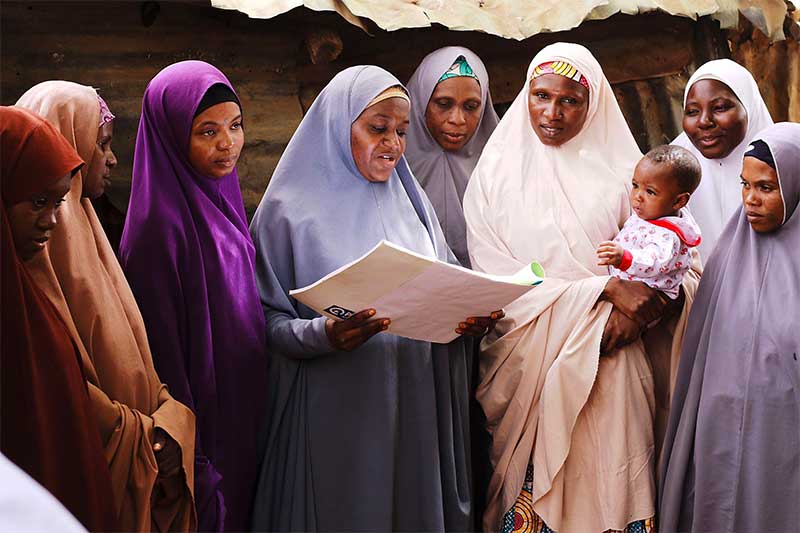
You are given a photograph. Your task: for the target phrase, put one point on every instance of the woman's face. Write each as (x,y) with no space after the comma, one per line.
(378,138)
(761,195)
(454,111)
(98,173)
(216,140)
(558,107)
(714,119)
(32,220)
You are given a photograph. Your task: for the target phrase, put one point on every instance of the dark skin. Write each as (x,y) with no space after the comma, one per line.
(557,107)
(761,196)
(347,335)
(167,452)
(454,111)
(714,119)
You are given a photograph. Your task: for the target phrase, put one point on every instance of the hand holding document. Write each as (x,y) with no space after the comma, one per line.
(424,298)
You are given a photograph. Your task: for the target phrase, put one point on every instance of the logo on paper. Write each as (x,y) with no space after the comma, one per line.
(339,312)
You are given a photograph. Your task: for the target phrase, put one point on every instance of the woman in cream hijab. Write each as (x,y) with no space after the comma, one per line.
(723,112)
(573,432)
(148,436)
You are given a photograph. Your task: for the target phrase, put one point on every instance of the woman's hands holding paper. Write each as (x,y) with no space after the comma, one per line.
(349,334)
(477,326)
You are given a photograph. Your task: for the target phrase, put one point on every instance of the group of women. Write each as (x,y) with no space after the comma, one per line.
(190,391)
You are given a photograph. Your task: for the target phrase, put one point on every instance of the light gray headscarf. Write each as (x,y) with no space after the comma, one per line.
(731,458)
(376,439)
(444,175)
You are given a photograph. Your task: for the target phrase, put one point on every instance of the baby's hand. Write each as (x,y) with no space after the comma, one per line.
(609,253)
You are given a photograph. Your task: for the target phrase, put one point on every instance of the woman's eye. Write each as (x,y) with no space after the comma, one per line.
(208,133)
(443,104)
(690,112)
(59,202)
(743,183)
(569,101)
(541,96)
(472,107)
(651,192)
(236,125)
(401,133)
(39,203)
(378,129)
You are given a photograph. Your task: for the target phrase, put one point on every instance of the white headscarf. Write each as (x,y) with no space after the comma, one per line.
(527,201)
(720,193)
(444,175)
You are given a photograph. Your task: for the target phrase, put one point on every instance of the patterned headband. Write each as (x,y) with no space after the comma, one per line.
(459,68)
(562,68)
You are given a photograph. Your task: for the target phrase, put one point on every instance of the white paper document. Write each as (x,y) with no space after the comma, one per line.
(424,298)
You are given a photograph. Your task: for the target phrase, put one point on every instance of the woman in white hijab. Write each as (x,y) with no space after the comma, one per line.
(451,119)
(723,112)
(574,445)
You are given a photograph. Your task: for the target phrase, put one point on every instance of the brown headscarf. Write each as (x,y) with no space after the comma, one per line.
(81,276)
(48,427)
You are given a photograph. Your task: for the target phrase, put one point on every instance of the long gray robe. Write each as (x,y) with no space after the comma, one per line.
(444,175)
(376,439)
(732,451)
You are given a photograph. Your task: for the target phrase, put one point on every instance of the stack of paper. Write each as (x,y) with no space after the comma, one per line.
(424,298)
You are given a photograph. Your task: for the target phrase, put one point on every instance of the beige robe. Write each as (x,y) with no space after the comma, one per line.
(80,274)
(585,422)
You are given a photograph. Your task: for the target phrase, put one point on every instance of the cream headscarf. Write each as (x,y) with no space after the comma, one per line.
(720,193)
(81,276)
(586,423)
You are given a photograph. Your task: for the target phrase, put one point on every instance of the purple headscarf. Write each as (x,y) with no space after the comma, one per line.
(731,458)
(187,253)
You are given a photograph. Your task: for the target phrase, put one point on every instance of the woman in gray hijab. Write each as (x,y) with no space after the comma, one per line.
(366,431)
(451,119)
(731,459)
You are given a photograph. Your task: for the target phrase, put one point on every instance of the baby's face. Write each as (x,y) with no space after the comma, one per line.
(655,191)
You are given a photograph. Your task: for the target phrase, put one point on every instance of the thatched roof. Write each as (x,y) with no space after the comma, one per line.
(519,19)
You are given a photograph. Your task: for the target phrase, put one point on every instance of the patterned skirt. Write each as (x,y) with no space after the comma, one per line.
(521,518)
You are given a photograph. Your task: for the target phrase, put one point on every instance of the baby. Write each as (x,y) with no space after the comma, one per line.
(653,245)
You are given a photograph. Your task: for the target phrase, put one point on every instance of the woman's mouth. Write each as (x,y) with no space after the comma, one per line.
(709,141)
(550,130)
(227,162)
(455,138)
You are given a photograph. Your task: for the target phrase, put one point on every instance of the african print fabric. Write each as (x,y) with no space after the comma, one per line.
(562,68)
(522,519)
(459,68)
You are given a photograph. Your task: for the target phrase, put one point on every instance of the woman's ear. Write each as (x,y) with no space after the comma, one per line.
(681,200)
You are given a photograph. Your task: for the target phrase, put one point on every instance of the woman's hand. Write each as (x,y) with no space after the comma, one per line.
(477,326)
(347,335)
(167,452)
(636,300)
(619,331)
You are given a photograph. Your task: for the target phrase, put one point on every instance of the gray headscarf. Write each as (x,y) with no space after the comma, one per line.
(444,175)
(731,459)
(376,439)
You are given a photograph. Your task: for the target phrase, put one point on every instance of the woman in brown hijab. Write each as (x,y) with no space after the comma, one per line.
(48,427)
(148,436)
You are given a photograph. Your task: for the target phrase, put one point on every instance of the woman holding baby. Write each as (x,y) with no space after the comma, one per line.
(569,394)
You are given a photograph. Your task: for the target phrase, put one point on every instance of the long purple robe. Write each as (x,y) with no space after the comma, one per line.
(190,261)
(731,459)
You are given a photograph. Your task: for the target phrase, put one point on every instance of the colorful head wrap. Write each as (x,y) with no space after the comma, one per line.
(562,68)
(105,114)
(459,68)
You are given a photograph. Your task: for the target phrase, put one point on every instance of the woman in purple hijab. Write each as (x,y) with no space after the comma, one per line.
(731,459)
(190,261)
